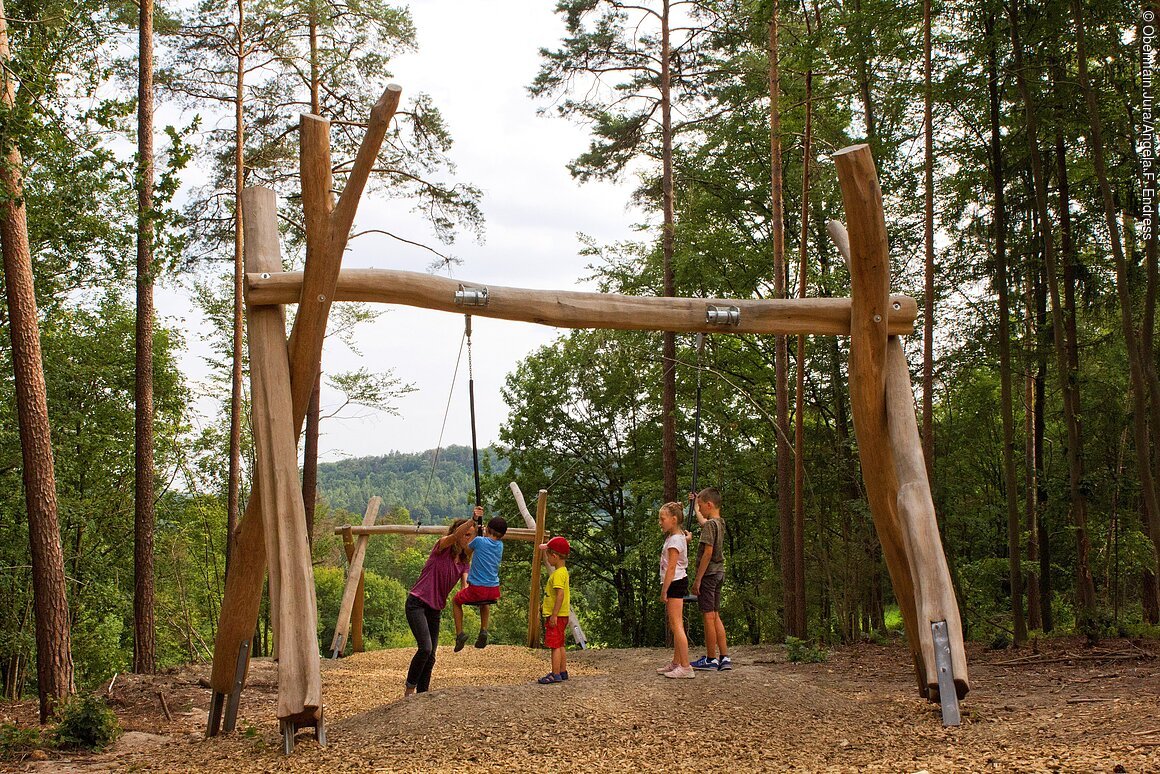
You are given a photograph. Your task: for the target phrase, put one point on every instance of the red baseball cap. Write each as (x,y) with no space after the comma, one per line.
(558,544)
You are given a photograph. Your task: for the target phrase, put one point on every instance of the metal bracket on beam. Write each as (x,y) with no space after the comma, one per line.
(723,315)
(948,696)
(471,296)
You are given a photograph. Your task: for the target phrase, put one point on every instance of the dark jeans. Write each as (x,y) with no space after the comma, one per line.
(424,622)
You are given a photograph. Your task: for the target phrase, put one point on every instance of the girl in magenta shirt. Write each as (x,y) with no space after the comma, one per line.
(445,567)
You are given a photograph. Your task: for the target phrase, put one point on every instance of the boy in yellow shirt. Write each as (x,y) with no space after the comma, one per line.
(555,608)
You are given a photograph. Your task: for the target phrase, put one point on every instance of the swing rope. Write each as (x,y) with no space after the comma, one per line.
(442,427)
(471,401)
(696,426)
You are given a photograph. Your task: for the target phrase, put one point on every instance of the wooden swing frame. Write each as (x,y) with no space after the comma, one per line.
(271,535)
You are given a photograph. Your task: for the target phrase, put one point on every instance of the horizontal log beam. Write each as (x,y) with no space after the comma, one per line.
(572,309)
(409,529)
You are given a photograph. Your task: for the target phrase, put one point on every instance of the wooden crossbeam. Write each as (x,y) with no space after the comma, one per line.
(513,533)
(573,309)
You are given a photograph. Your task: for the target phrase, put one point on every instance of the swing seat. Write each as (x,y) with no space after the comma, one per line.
(480,603)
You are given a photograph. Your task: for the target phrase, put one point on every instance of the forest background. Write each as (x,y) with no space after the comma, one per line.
(1016,220)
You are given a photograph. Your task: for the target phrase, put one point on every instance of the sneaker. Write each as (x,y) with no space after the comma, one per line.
(667,667)
(706,664)
(725,664)
(460,641)
(681,673)
(481,640)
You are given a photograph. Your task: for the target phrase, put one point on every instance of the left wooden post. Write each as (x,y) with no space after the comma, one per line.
(354,582)
(293,607)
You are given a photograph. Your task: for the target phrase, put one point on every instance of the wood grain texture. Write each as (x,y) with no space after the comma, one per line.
(293,606)
(537,559)
(572,309)
(934,594)
(354,576)
(870,283)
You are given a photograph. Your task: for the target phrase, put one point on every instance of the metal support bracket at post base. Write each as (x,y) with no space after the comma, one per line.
(948,696)
(291,726)
(228,701)
(339,646)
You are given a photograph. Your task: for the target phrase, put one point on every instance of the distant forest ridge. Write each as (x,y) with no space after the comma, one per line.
(406,480)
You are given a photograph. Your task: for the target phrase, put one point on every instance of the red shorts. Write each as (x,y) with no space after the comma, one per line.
(477,594)
(554,635)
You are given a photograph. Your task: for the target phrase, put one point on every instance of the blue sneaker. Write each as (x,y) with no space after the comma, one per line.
(706,664)
(725,664)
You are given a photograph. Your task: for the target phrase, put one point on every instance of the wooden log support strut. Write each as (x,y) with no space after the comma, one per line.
(889,446)
(353,580)
(293,607)
(515,533)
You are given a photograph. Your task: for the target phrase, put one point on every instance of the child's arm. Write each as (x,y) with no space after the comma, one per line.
(670,571)
(704,556)
(556,607)
(447,541)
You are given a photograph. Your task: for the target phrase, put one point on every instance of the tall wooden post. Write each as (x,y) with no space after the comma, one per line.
(293,607)
(870,311)
(356,614)
(534,583)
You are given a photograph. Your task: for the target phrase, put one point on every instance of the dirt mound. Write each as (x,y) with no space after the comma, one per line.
(1062,708)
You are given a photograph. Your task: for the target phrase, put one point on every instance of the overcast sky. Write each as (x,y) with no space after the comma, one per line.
(475,59)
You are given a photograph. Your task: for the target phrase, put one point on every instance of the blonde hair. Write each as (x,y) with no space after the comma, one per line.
(675,510)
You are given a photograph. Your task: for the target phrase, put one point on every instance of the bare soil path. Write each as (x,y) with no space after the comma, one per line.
(1063,708)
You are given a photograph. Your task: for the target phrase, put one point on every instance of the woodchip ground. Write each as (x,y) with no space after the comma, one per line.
(1060,707)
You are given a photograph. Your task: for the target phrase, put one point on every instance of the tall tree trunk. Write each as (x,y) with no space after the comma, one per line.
(1002,288)
(144,651)
(1040,405)
(781,347)
(799,478)
(928,269)
(233,497)
(668,240)
(313,410)
(1135,366)
(1031,478)
(1085,588)
(54,665)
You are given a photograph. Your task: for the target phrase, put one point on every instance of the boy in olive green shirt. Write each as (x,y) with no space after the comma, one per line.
(556,607)
(710,577)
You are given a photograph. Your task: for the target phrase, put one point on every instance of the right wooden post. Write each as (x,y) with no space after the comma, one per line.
(870,310)
(889,445)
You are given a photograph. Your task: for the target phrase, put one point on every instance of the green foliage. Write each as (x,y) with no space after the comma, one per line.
(16,741)
(799,651)
(85,722)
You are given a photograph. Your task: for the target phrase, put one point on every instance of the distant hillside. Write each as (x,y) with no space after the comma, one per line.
(405,480)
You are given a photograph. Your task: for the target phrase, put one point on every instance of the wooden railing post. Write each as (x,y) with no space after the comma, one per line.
(534,583)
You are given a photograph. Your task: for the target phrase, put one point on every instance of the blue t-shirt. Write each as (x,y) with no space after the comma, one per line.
(485,556)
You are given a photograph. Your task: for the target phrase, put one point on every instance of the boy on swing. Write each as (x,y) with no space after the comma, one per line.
(709,579)
(482,580)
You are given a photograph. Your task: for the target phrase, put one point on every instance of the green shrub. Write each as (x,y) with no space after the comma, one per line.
(803,650)
(85,722)
(18,740)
